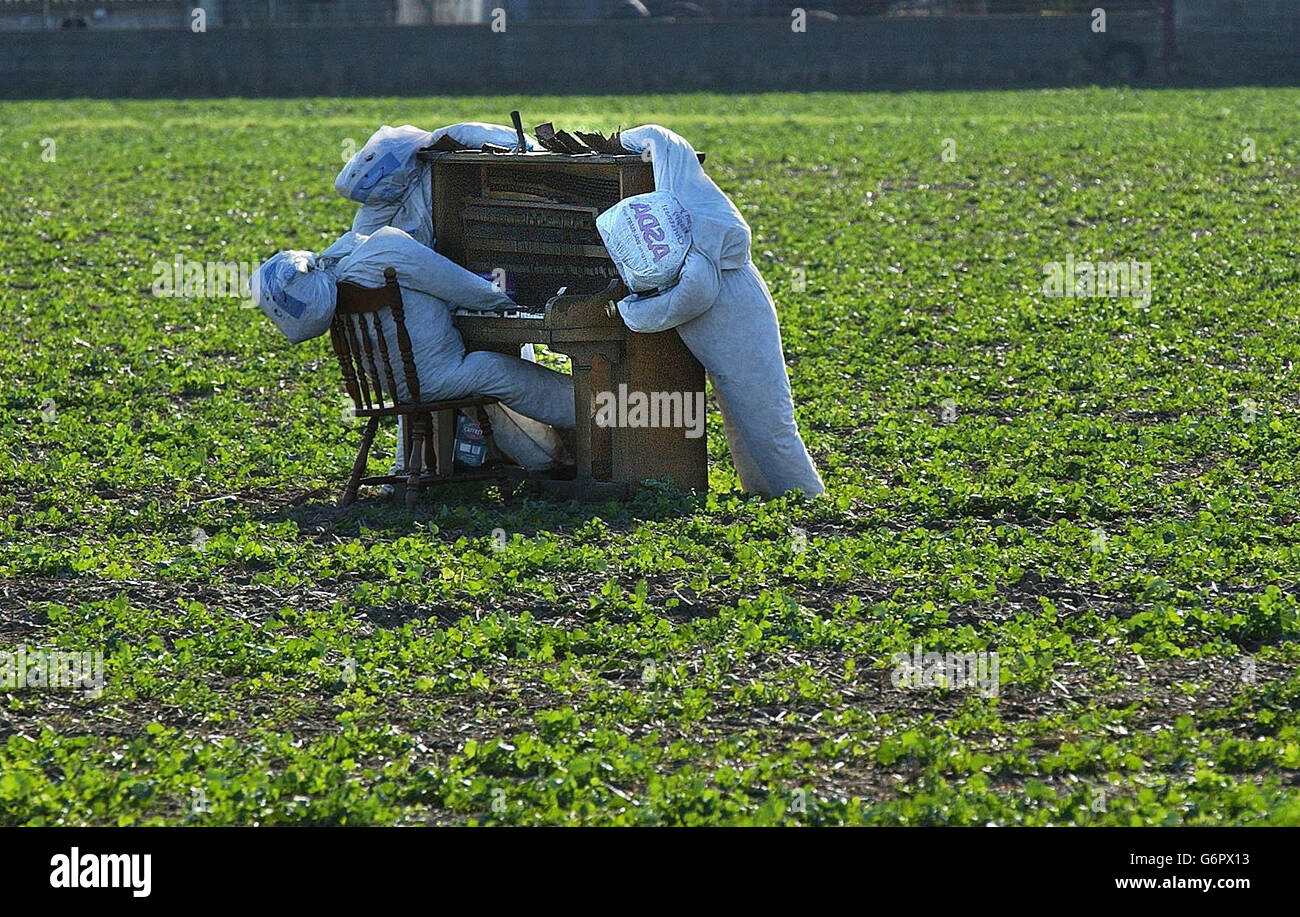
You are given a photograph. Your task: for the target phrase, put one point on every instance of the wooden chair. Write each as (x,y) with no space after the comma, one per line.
(363,355)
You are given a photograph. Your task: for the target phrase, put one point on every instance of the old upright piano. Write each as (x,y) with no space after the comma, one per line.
(528,221)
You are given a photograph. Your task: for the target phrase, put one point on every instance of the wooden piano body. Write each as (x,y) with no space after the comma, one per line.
(528,220)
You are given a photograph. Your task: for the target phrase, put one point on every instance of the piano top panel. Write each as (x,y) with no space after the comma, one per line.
(544,158)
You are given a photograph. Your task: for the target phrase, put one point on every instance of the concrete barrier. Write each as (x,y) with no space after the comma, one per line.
(608,57)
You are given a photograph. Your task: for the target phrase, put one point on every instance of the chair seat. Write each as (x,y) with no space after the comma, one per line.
(421,407)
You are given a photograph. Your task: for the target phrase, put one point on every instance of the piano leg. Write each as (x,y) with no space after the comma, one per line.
(590,366)
(601,379)
(582,412)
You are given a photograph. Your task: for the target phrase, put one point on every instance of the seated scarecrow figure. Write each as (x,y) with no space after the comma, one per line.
(392,187)
(297,290)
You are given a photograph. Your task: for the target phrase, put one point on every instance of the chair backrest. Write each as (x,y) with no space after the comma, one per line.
(363,356)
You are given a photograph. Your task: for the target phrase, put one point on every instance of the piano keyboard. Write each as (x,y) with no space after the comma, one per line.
(498,313)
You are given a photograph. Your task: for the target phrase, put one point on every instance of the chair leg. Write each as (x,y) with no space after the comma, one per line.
(419,425)
(446,443)
(349,494)
(432,465)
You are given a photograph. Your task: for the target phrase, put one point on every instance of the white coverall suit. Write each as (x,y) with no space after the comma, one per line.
(725,315)
(432,286)
(297,291)
(406,202)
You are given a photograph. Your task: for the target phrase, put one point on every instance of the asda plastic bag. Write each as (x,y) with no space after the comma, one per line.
(647,236)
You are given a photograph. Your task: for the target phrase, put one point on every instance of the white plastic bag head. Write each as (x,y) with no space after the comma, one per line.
(382,170)
(387,178)
(648,236)
(296,295)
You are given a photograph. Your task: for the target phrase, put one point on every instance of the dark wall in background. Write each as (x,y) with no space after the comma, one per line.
(612,57)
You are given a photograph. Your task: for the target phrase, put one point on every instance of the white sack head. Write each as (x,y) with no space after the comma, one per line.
(296,296)
(382,170)
(648,236)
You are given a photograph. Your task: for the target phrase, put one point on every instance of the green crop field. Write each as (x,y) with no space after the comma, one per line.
(1102,491)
